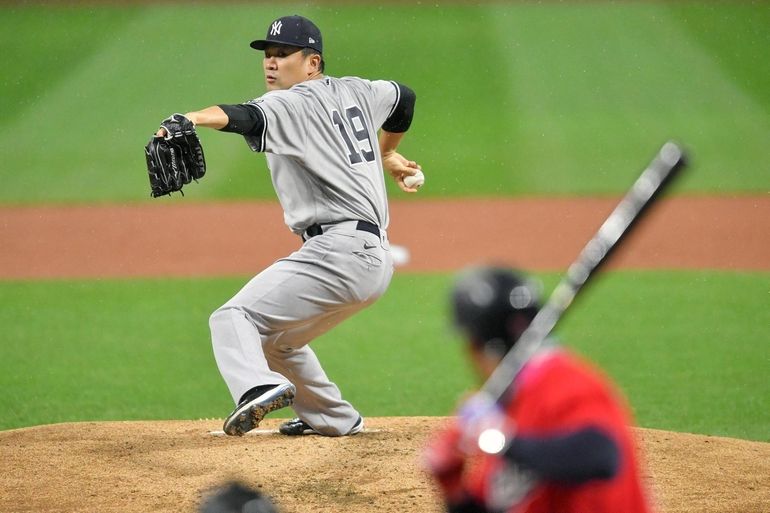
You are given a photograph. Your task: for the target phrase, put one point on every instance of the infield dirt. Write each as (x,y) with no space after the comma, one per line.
(167,466)
(173,237)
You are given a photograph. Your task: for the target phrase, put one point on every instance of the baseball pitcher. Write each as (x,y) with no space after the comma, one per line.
(320,136)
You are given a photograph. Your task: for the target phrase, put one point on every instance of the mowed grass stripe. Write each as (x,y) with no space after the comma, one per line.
(44,45)
(613,74)
(98,118)
(118,95)
(688,349)
(731,35)
(512,99)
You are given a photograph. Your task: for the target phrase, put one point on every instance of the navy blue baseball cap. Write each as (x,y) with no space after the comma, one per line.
(293,31)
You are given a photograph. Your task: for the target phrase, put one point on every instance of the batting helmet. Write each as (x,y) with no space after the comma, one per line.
(493,306)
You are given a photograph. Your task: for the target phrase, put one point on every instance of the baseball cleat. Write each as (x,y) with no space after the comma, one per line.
(298,427)
(253,408)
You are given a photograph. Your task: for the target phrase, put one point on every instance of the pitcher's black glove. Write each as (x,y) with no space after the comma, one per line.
(175,159)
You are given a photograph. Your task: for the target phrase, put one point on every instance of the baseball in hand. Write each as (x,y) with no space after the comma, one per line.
(414,181)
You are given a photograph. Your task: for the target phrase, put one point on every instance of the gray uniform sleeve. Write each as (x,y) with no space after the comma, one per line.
(385,98)
(271,123)
(396,101)
(285,123)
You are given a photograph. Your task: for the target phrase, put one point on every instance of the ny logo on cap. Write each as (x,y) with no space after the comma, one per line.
(275,28)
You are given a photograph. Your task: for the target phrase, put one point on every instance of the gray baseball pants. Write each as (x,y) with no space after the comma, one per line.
(261,335)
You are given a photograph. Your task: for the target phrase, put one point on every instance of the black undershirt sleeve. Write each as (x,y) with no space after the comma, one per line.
(401,117)
(574,457)
(244,119)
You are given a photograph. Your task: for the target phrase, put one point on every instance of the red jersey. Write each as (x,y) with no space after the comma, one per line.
(555,393)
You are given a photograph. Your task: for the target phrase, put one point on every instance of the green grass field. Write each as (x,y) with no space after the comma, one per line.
(513,100)
(689,353)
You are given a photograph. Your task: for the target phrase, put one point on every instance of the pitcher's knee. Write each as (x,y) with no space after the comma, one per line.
(216,318)
(225,318)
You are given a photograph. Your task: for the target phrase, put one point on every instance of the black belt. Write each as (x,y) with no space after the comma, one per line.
(364,226)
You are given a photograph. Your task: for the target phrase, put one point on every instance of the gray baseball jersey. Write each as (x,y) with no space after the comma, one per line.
(321,143)
(320,138)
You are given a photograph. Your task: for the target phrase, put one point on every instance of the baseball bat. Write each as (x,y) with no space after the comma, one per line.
(668,161)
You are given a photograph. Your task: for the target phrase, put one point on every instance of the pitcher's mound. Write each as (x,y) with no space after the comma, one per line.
(168,466)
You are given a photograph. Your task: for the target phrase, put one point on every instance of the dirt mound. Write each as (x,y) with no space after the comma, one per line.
(167,466)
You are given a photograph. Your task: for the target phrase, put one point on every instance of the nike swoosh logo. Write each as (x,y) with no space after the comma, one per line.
(369,246)
(368,258)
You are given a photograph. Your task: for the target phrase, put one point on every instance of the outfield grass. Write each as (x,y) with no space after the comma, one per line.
(513,99)
(688,348)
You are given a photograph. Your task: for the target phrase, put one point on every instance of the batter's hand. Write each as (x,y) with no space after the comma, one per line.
(400,167)
(483,425)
